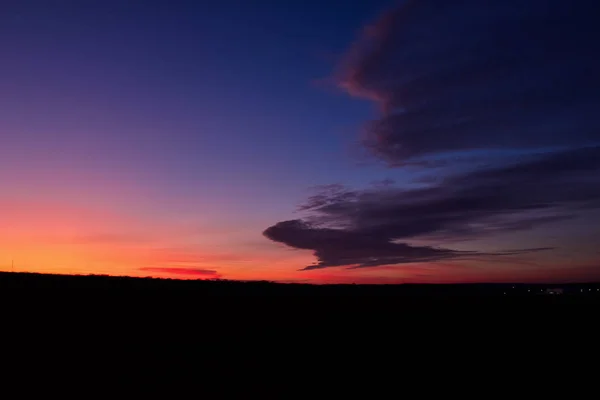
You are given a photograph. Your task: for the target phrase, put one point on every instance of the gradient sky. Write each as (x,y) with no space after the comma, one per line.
(168,138)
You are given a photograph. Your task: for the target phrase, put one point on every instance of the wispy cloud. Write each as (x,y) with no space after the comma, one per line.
(368,228)
(206,273)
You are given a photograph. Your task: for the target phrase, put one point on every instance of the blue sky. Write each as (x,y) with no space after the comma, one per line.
(203,94)
(196,125)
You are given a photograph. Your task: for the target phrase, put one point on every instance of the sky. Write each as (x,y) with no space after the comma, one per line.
(319,142)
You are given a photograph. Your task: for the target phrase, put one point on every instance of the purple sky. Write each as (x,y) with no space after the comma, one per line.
(164,137)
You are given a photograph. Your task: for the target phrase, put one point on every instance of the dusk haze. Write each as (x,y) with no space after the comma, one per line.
(415,141)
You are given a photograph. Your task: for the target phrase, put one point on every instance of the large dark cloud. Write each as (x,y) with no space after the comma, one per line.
(471,74)
(517,79)
(338,247)
(371,227)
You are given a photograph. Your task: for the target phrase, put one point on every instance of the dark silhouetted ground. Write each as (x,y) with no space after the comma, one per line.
(95,318)
(420,292)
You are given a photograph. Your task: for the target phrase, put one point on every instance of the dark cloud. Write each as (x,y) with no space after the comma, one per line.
(183,271)
(355,249)
(338,247)
(499,98)
(372,227)
(540,189)
(471,74)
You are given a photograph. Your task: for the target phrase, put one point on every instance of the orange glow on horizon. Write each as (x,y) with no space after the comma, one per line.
(57,238)
(52,238)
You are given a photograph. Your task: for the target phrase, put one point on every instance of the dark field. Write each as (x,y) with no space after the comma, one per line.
(88,284)
(197,314)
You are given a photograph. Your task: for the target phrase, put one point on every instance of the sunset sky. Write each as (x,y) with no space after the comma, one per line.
(301,141)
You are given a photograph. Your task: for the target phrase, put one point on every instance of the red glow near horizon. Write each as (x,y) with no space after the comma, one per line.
(70,239)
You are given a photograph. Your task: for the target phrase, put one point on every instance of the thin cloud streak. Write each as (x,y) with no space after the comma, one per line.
(183,271)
